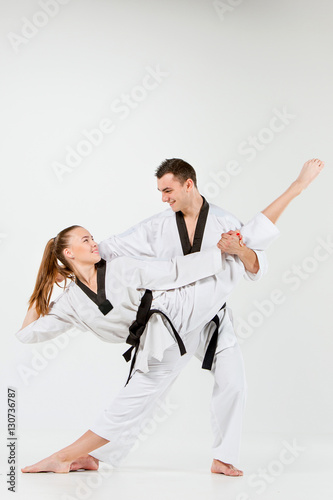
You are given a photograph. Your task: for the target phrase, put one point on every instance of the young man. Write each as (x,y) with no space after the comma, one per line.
(190,225)
(113,439)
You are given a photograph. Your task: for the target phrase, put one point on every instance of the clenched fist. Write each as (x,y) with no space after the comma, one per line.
(231,243)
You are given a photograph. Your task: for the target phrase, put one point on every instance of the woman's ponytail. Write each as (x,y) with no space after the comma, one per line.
(49,271)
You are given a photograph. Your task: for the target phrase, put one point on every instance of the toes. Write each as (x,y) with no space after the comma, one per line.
(30,468)
(26,469)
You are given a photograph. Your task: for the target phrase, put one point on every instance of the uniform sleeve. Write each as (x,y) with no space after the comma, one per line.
(53,324)
(263,266)
(230,222)
(258,234)
(138,240)
(165,275)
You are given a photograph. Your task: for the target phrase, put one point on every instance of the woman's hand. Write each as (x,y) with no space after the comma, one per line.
(231,243)
(30,317)
(59,278)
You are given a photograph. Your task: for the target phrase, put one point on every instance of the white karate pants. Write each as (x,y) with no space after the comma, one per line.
(230,389)
(123,421)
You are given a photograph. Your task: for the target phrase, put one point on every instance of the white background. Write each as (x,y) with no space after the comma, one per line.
(226,74)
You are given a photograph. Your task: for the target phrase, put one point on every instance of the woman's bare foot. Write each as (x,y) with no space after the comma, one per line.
(53,463)
(85,462)
(219,467)
(311,169)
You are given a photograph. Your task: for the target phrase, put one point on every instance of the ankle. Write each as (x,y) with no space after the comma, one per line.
(63,457)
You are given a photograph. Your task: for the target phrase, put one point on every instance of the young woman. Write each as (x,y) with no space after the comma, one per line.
(159,307)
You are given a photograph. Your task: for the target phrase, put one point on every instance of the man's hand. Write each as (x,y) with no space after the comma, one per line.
(231,243)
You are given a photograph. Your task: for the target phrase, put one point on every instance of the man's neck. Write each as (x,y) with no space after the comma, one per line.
(192,210)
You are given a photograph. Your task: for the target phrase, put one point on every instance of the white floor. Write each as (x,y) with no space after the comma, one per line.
(275,467)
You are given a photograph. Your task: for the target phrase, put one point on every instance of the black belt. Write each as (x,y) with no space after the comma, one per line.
(137,328)
(211,349)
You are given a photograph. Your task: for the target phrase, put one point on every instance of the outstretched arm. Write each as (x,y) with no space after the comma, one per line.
(30,317)
(311,169)
(167,274)
(59,319)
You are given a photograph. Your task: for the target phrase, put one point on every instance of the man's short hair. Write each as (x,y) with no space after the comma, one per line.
(179,168)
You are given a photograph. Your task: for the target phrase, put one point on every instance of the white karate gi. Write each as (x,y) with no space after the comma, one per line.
(159,236)
(158,361)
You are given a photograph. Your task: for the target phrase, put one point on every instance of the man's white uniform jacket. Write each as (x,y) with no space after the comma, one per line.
(164,236)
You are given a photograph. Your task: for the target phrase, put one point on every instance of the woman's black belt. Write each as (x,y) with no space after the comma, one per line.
(137,328)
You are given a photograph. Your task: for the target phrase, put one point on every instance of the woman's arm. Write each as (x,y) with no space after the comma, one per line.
(30,317)
(137,240)
(40,328)
(167,274)
(311,169)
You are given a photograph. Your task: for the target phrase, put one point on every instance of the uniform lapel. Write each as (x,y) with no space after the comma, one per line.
(100,299)
(199,230)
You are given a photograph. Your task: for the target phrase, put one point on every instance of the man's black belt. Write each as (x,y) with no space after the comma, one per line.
(137,328)
(211,349)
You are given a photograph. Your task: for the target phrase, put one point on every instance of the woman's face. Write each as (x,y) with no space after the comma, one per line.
(82,248)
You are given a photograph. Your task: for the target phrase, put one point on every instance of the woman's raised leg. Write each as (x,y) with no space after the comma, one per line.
(311,169)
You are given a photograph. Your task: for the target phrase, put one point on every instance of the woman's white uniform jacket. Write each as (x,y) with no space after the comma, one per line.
(187,289)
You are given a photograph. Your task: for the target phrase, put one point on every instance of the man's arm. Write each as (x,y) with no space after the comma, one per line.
(258,233)
(249,259)
(232,244)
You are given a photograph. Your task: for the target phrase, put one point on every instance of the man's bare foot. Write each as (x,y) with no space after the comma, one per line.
(51,464)
(219,467)
(85,462)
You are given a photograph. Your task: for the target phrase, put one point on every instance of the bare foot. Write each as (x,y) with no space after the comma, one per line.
(51,464)
(311,169)
(219,467)
(85,462)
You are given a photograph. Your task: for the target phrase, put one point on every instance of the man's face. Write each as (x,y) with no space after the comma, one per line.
(173,192)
